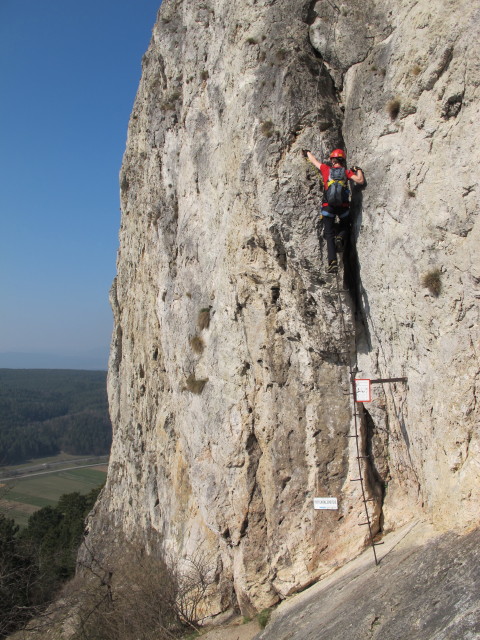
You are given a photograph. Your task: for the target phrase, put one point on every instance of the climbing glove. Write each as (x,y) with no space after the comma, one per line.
(304,152)
(355,169)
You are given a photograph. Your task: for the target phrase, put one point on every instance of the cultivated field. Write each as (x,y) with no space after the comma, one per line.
(24,495)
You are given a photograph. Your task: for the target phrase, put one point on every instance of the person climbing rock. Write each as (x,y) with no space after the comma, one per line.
(336,201)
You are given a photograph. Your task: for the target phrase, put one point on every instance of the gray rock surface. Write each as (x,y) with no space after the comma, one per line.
(427,591)
(230,366)
(419,217)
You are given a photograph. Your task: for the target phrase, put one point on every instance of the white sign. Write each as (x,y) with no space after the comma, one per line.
(362,390)
(325,503)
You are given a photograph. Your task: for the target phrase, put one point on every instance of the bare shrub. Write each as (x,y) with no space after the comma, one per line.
(393,108)
(169,102)
(134,601)
(433,282)
(203,320)
(194,576)
(197,344)
(140,597)
(416,70)
(267,128)
(125,595)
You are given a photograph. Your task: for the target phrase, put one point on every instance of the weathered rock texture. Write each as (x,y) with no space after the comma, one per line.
(230,363)
(420,218)
(420,591)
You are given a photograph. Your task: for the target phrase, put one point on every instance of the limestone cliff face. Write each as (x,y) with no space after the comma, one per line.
(419,219)
(231,357)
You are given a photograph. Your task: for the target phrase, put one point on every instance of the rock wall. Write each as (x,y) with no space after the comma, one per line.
(419,226)
(230,367)
(422,590)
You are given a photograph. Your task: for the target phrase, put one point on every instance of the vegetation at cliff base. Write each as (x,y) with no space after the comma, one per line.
(101,594)
(36,561)
(43,412)
(134,595)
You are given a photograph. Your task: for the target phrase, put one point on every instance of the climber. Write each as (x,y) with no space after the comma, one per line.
(335,202)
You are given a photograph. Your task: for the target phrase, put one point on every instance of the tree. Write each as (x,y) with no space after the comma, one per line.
(16,577)
(36,562)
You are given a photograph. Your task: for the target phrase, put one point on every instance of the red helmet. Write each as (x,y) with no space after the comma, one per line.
(338,153)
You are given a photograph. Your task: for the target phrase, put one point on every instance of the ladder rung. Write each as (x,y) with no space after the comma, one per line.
(356,479)
(376,544)
(355,436)
(363,524)
(361,457)
(369,500)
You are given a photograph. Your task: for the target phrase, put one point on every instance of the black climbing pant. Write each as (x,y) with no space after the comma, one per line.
(334,226)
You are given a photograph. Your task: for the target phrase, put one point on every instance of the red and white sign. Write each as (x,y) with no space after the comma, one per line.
(363,390)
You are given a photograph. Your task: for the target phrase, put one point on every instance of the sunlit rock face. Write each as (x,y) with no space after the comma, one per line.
(232,351)
(411,121)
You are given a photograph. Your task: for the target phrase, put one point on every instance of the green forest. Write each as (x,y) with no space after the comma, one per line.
(37,560)
(46,411)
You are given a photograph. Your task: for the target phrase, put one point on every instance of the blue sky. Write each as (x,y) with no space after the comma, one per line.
(69,72)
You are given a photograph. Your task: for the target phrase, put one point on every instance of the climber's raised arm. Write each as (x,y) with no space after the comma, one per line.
(357,176)
(311,158)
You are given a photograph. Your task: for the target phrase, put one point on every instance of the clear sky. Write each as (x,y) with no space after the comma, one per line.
(69,72)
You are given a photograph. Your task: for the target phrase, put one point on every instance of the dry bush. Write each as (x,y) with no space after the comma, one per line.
(126,595)
(197,344)
(129,597)
(267,128)
(140,597)
(433,282)
(416,70)
(393,108)
(203,320)
(169,102)
(194,577)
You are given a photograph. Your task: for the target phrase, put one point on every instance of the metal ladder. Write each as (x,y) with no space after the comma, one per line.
(353,368)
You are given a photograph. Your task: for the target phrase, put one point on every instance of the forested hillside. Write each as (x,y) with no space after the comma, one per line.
(43,412)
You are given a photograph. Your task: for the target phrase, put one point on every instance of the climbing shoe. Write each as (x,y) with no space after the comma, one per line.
(332,266)
(339,245)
